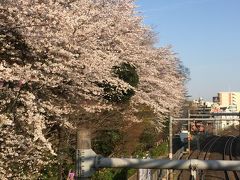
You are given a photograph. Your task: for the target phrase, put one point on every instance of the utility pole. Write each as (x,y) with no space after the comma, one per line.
(239,124)
(198,142)
(239,128)
(214,127)
(189,133)
(170,145)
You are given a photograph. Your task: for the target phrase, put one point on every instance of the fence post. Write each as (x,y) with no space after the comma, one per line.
(85,156)
(193,174)
(170,145)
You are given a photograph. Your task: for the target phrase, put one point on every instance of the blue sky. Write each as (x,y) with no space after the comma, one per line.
(206,36)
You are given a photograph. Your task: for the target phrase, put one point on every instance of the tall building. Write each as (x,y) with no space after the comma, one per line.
(229,99)
(226,102)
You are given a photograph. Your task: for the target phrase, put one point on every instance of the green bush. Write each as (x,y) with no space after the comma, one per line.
(105,174)
(127,73)
(105,143)
(111,174)
(160,150)
(113,95)
(149,137)
(50,171)
(131,172)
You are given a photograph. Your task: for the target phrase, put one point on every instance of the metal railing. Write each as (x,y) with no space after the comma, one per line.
(160,173)
(87,162)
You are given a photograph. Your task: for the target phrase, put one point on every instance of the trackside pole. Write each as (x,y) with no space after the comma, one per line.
(170,146)
(189,133)
(239,128)
(239,124)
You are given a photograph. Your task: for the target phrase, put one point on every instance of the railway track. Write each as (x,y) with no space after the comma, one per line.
(230,155)
(186,174)
(205,153)
(215,148)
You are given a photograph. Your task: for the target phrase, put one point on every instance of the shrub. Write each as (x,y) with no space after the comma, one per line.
(127,73)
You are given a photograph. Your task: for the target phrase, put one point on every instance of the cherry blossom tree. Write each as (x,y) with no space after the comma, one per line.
(58,57)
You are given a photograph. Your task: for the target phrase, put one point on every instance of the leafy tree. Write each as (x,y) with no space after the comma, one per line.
(127,73)
(54,56)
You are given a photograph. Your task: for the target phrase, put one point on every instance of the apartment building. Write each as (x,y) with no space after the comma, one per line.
(227,99)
